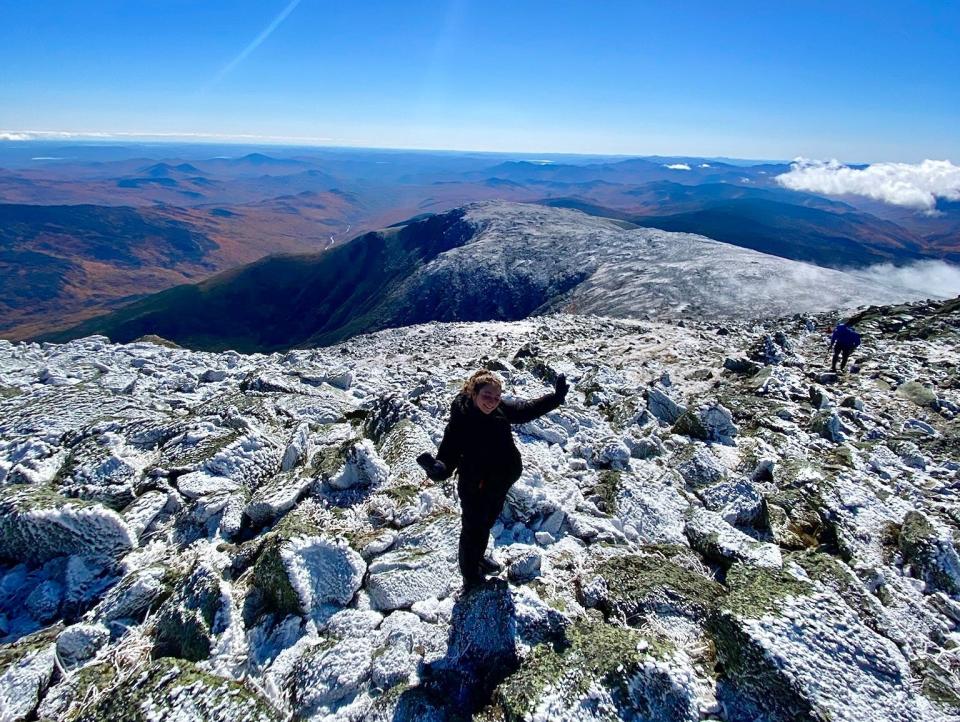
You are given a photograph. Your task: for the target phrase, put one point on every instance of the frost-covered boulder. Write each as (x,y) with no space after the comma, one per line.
(322,571)
(931,555)
(44,601)
(524,565)
(793,520)
(701,469)
(663,405)
(792,649)
(601,672)
(277,496)
(362,467)
(662,581)
(709,422)
(421,565)
(713,537)
(828,425)
(134,595)
(298,449)
(299,568)
(144,510)
(649,506)
(187,621)
(176,690)
(918,393)
(400,448)
(328,674)
(37,524)
(738,501)
(405,640)
(80,642)
(25,672)
(104,468)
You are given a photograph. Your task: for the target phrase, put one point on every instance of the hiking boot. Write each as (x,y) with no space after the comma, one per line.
(473,582)
(489,566)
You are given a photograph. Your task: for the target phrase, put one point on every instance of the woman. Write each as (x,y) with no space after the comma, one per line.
(478,444)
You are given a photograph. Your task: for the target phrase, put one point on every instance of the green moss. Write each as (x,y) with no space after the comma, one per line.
(88,683)
(607,488)
(184,622)
(641,584)
(194,456)
(843,457)
(591,653)
(755,592)
(403,493)
(938,684)
(33,497)
(397,446)
(144,696)
(8,392)
(328,461)
(270,577)
(689,425)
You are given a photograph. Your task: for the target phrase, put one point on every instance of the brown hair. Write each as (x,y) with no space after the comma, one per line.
(480,379)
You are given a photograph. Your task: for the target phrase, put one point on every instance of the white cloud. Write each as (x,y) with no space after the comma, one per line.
(932,279)
(901,184)
(677,166)
(150,135)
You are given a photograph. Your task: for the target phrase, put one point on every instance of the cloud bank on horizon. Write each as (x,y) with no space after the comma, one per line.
(901,184)
(935,279)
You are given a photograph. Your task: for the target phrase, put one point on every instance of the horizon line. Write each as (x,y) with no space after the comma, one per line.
(319,142)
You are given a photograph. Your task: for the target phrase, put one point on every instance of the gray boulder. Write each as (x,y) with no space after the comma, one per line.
(80,642)
(710,422)
(931,555)
(713,537)
(662,404)
(25,672)
(793,649)
(738,501)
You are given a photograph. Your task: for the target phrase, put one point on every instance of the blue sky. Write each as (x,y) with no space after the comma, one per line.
(858,81)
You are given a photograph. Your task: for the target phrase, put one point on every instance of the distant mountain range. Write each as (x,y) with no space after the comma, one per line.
(487,261)
(248,205)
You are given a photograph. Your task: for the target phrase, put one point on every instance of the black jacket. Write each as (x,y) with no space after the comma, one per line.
(480,446)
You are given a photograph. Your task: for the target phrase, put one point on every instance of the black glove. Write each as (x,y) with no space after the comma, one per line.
(561,387)
(435,469)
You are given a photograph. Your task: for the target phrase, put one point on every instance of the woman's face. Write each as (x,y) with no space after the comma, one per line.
(487,398)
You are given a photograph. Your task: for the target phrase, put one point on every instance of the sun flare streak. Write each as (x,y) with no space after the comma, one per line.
(257,41)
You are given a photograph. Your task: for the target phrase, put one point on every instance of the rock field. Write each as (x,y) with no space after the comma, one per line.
(714,527)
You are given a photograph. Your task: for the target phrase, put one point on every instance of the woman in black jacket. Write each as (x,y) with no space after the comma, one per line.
(478,444)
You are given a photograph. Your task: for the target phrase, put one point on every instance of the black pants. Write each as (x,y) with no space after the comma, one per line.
(481,505)
(840,353)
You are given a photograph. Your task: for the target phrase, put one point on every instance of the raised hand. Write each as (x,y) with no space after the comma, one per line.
(561,387)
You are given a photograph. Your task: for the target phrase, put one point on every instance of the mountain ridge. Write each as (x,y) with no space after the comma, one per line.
(489,260)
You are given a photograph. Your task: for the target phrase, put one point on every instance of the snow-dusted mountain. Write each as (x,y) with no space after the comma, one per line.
(712,527)
(487,261)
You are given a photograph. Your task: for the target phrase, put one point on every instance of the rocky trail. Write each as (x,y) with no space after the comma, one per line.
(714,527)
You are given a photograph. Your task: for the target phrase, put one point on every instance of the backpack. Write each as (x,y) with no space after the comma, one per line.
(847,337)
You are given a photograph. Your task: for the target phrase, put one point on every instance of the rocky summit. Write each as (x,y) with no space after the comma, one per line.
(715,526)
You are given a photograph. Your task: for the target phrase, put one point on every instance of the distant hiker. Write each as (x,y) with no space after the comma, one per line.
(843,341)
(478,444)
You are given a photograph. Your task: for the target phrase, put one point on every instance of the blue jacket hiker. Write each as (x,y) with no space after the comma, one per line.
(843,341)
